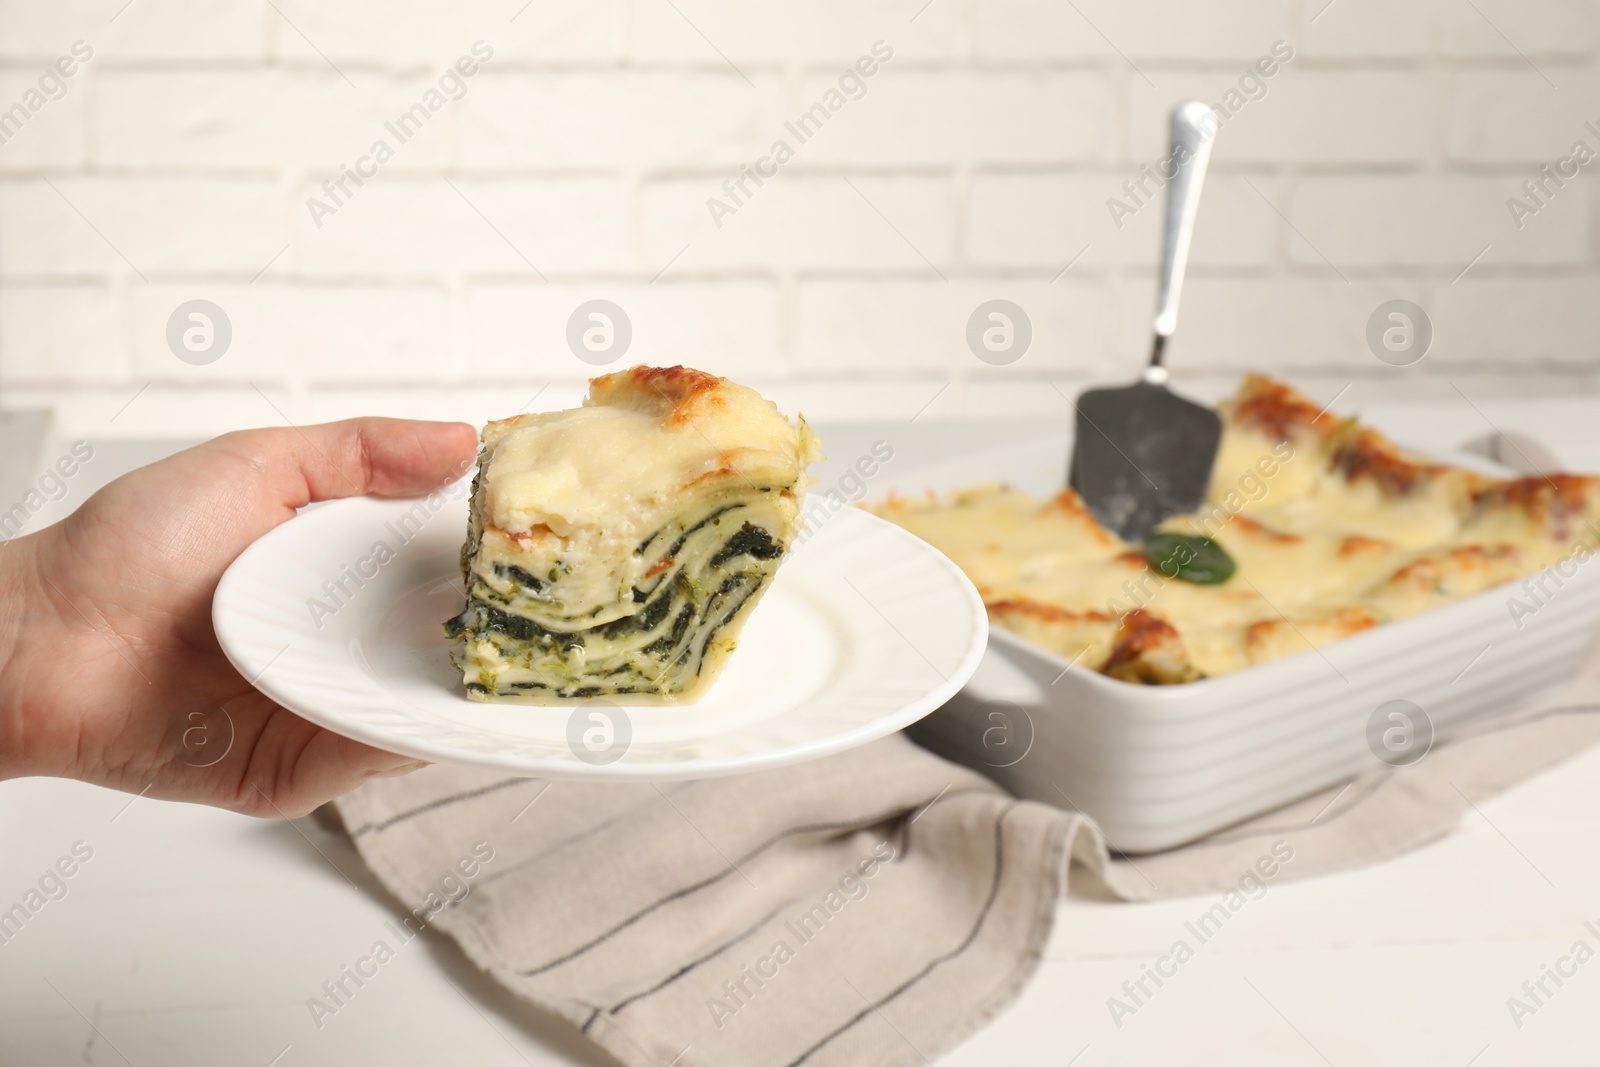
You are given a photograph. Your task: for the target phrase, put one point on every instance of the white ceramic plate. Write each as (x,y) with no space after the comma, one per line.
(864,630)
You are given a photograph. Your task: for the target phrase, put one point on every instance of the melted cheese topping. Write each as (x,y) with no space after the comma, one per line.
(1333,529)
(622,457)
(590,483)
(617,547)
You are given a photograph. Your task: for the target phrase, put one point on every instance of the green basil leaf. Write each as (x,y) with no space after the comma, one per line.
(1189,557)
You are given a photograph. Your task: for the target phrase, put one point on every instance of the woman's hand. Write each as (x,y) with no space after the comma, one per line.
(109,669)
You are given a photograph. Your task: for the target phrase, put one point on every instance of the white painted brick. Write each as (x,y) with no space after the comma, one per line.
(58,334)
(1237,30)
(45,31)
(910,116)
(1306,116)
(1044,220)
(775,31)
(869,400)
(412,33)
(1219,30)
(885,328)
(1030,31)
(159,224)
(150,29)
(402,226)
(1430,221)
(255,119)
(40,234)
(803,221)
(186,29)
(1272,324)
(336,334)
(617,119)
(1511,116)
(1380,28)
(51,136)
(519,332)
(1517,321)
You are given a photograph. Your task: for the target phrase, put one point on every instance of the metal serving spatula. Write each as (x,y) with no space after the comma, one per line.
(1141,452)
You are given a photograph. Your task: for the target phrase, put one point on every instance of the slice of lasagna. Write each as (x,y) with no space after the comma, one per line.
(617,548)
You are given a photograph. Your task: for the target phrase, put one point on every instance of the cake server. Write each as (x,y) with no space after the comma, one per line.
(1141,452)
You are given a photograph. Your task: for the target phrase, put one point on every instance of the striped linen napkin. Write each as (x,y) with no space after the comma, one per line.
(874,907)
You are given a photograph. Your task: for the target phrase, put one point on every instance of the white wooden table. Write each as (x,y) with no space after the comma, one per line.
(194,937)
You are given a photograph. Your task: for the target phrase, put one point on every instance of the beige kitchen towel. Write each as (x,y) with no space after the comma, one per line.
(874,907)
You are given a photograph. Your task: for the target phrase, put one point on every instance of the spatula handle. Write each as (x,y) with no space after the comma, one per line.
(1194,128)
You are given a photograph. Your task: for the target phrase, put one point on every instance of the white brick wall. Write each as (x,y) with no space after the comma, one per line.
(975,164)
(1438,222)
(295,334)
(726,327)
(162,225)
(1417,29)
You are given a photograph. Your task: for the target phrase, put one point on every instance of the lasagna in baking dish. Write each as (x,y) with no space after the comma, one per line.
(617,548)
(1315,528)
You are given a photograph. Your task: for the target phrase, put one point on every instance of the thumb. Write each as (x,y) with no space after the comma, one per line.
(361,457)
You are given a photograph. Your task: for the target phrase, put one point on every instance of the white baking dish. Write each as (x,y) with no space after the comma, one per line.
(1157,766)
